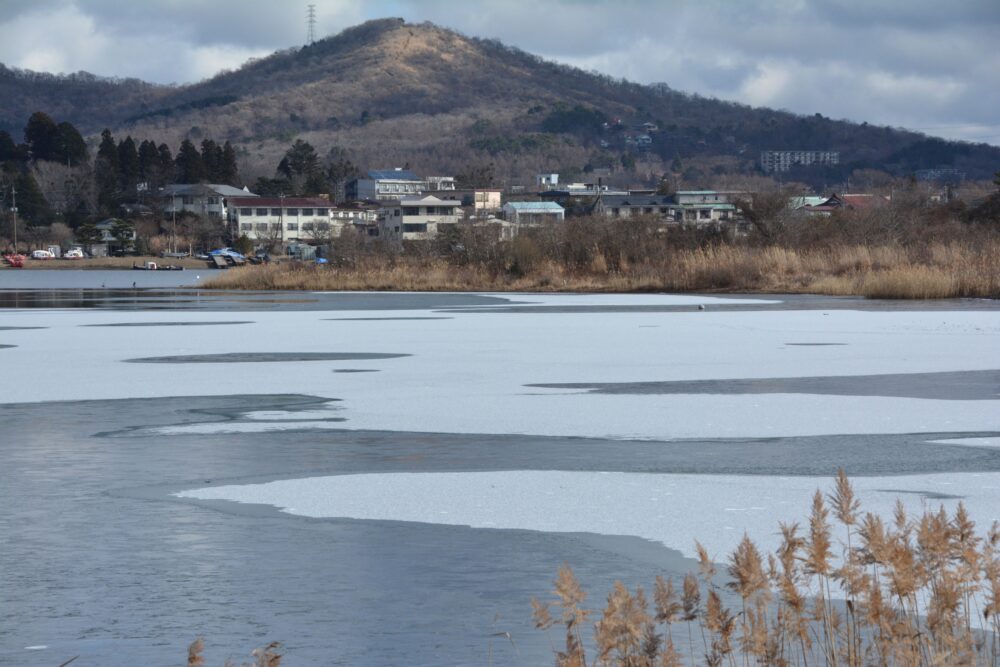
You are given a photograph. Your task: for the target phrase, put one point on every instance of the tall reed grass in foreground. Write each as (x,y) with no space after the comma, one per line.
(921,591)
(265,656)
(890,271)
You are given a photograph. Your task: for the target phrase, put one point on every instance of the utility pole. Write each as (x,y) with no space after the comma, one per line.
(13,208)
(173,213)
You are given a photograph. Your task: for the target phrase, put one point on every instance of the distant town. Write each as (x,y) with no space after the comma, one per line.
(140,199)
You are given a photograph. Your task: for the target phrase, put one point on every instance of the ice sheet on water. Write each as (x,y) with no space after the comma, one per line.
(970,442)
(671,509)
(470,375)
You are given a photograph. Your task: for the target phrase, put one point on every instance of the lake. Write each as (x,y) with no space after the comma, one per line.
(384,478)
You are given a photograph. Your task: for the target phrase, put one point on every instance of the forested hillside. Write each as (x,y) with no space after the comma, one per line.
(390,93)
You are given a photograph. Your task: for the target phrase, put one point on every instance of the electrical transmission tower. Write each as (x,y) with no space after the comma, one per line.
(311,21)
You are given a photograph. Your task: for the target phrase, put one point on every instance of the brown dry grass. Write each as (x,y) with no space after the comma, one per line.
(927,271)
(921,591)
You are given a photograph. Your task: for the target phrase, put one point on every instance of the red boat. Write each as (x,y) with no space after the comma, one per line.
(15,261)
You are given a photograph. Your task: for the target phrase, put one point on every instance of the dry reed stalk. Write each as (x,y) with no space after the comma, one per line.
(919,591)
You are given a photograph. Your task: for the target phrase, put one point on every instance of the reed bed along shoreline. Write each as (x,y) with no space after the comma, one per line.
(886,271)
(853,589)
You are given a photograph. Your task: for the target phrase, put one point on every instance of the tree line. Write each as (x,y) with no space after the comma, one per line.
(124,171)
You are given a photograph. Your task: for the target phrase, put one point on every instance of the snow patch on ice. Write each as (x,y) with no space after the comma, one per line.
(970,442)
(611,503)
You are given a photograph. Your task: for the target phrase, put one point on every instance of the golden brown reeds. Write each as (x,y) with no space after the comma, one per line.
(921,592)
(889,271)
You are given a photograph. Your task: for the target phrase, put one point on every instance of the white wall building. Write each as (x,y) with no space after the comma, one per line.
(386,185)
(533,212)
(284,219)
(418,218)
(204,199)
(780,161)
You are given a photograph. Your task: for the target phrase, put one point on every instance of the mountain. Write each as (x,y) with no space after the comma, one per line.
(391,93)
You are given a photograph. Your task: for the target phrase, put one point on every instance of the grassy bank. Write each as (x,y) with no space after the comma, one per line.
(890,271)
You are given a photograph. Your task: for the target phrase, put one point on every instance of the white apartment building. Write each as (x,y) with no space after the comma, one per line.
(205,199)
(284,219)
(418,218)
(386,185)
(779,161)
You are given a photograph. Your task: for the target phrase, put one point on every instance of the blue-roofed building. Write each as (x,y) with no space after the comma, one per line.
(533,212)
(391,184)
(385,185)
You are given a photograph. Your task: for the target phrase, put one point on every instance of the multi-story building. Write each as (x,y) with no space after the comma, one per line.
(689,207)
(780,161)
(204,199)
(417,218)
(439,183)
(481,201)
(386,185)
(283,220)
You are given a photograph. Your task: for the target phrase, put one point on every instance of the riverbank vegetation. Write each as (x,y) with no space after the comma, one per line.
(879,254)
(906,591)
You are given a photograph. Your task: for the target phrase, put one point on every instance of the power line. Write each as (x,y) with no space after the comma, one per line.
(311,21)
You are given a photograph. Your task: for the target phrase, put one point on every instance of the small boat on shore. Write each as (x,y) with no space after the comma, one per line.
(15,261)
(153,266)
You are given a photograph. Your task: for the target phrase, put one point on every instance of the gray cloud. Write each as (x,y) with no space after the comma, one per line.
(919,63)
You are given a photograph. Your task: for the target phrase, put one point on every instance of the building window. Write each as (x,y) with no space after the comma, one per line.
(246,211)
(213,201)
(616,212)
(292,211)
(307,211)
(276,226)
(245,227)
(705,214)
(187,201)
(293,226)
(413,210)
(373,231)
(415,228)
(322,212)
(648,210)
(262,212)
(663,210)
(307,226)
(261,226)
(276,212)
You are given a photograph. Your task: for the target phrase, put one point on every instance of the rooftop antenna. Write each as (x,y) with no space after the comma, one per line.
(311,21)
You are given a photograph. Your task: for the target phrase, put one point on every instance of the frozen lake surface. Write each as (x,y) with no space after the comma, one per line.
(372,478)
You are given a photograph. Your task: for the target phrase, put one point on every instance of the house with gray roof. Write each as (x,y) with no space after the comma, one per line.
(533,212)
(204,199)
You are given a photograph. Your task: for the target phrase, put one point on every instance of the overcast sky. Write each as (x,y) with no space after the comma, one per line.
(924,64)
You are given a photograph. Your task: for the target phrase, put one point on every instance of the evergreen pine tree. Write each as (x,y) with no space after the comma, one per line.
(211,158)
(128,166)
(168,172)
(190,168)
(8,149)
(31,204)
(229,172)
(72,147)
(42,136)
(149,162)
(106,174)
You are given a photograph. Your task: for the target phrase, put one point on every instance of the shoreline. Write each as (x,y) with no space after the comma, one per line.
(105,263)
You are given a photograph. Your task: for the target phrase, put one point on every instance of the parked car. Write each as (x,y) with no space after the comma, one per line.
(42,254)
(73,253)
